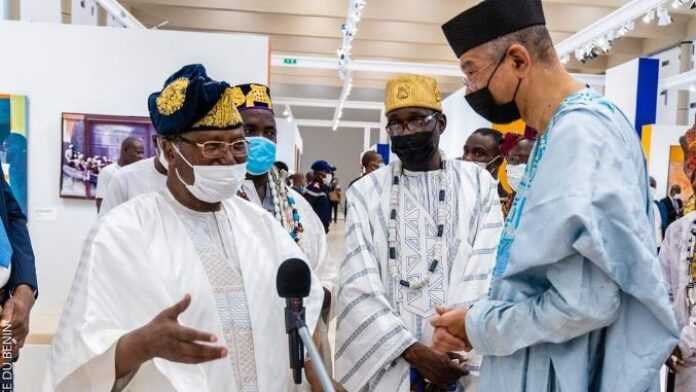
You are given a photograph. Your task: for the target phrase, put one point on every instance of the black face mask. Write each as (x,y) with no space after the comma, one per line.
(484,104)
(414,148)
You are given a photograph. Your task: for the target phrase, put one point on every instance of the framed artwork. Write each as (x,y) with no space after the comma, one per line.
(675,173)
(13,145)
(90,142)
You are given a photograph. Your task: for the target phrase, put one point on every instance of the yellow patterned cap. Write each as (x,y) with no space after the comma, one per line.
(190,100)
(252,96)
(412,91)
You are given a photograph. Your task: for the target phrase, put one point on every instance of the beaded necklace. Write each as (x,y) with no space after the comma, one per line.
(284,205)
(691,260)
(392,234)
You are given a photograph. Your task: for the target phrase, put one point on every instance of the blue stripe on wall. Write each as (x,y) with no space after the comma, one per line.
(646,97)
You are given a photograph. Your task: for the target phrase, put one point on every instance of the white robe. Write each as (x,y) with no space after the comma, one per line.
(673,255)
(312,241)
(133,180)
(139,260)
(372,333)
(104,179)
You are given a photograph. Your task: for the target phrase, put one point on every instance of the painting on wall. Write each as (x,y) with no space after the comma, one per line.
(91,142)
(13,145)
(675,174)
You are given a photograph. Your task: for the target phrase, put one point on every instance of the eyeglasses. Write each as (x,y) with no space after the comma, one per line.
(397,128)
(216,149)
(466,78)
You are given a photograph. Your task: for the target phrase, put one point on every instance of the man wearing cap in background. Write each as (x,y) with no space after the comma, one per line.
(578,301)
(145,176)
(266,187)
(123,324)
(317,191)
(420,233)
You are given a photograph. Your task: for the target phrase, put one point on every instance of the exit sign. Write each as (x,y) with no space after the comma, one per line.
(289,61)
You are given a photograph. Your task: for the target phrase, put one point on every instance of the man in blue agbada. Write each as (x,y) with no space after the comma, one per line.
(577,300)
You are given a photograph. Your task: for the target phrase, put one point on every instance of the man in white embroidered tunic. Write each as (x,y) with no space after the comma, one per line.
(119,330)
(420,233)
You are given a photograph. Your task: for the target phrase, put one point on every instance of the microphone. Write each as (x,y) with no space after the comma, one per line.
(293,282)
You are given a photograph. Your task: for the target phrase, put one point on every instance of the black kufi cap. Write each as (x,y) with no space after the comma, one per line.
(489,20)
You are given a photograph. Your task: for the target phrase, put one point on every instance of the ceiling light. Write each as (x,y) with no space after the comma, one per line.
(649,17)
(663,17)
(692,88)
(565,59)
(676,4)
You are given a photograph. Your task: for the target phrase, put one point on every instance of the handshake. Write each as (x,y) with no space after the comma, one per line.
(450,331)
(440,364)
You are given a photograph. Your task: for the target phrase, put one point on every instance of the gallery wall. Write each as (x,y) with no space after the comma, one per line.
(62,68)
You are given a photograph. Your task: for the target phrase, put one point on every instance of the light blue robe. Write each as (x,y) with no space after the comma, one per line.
(578,301)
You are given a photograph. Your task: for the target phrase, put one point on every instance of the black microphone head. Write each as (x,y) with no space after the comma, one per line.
(294,279)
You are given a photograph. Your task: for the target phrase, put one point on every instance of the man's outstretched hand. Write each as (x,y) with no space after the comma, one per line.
(450,330)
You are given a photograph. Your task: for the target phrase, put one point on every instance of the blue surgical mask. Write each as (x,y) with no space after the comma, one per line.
(262,155)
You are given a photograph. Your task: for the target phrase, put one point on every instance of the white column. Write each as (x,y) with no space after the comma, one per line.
(85,12)
(366,138)
(40,11)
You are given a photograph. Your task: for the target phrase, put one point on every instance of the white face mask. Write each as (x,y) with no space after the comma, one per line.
(515,174)
(214,183)
(328,179)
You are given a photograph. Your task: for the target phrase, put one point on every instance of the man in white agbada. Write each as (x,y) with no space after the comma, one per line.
(266,187)
(420,233)
(145,176)
(677,257)
(132,150)
(125,325)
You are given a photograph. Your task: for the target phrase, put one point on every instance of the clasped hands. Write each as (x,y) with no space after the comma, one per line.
(440,364)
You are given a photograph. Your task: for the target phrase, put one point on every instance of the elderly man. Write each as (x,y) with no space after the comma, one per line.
(577,300)
(420,232)
(144,176)
(132,150)
(125,325)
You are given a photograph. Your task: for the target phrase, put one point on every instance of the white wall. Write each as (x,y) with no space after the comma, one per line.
(622,87)
(40,11)
(462,121)
(667,101)
(86,69)
(288,138)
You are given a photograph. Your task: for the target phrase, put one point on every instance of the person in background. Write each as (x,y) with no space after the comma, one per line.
(176,290)
(18,282)
(483,149)
(317,191)
(370,161)
(577,299)
(335,196)
(266,187)
(298,183)
(421,232)
(516,150)
(657,213)
(672,207)
(132,150)
(144,176)
(677,256)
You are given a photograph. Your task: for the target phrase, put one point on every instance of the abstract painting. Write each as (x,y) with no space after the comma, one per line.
(13,145)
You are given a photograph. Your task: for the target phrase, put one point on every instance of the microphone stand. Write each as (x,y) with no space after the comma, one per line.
(297,324)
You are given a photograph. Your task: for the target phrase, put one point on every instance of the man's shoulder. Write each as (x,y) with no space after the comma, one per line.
(136,167)
(679,225)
